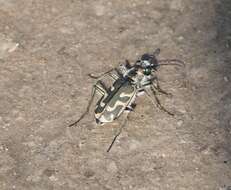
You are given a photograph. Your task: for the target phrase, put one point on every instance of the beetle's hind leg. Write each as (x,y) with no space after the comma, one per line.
(101,89)
(87,109)
(120,130)
(128,109)
(158,103)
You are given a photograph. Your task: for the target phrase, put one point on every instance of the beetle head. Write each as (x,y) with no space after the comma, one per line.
(147,60)
(147,63)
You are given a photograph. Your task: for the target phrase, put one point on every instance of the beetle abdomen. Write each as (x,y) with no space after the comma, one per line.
(116,105)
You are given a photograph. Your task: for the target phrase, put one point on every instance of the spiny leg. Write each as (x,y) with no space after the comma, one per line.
(158,103)
(159,89)
(155,83)
(156,52)
(99,87)
(87,109)
(100,76)
(119,132)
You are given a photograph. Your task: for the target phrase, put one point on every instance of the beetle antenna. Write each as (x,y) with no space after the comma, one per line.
(171,62)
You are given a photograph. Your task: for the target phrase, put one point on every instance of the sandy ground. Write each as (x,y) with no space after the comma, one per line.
(47,48)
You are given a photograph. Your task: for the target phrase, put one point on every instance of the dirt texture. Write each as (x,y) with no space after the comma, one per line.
(47,48)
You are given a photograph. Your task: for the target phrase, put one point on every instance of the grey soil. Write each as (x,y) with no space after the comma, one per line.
(47,48)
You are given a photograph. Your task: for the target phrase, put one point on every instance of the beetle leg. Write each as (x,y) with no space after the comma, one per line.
(156,52)
(156,85)
(159,89)
(130,107)
(158,103)
(87,109)
(119,132)
(101,88)
(100,76)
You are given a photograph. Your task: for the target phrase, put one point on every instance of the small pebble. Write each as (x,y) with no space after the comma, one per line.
(183,111)
(179,123)
(177,5)
(134,145)
(182,141)
(194,88)
(13,48)
(6,46)
(180,38)
(53,178)
(112,167)
(89,173)
(99,10)
(226,79)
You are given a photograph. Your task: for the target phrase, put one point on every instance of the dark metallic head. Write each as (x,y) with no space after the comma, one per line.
(148,62)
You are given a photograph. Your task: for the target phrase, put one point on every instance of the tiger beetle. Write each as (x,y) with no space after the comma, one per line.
(129,81)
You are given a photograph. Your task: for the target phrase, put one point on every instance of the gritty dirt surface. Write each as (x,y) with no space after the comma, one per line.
(47,48)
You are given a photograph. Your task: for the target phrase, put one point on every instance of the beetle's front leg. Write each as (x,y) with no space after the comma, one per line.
(156,85)
(159,89)
(158,103)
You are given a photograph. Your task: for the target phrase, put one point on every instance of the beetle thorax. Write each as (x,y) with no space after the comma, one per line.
(140,80)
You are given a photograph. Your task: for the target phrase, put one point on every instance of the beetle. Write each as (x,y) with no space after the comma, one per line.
(129,81)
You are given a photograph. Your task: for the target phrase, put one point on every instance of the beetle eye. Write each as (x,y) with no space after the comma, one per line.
(147,71)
